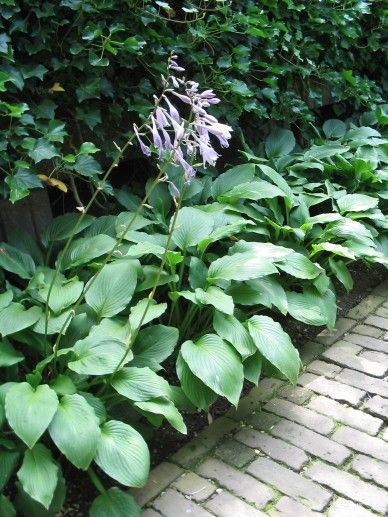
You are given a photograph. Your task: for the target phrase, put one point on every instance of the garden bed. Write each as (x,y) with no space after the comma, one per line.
(81,491)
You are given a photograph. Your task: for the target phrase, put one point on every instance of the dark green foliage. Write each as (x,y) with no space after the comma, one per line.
(75,72)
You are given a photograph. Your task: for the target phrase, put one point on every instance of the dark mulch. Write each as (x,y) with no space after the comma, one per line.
(166,440)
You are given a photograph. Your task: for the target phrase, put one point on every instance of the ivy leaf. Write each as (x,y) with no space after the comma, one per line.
(75,431)
(87,166)
(42,150)
(29,411)
(123,454)
(39,474)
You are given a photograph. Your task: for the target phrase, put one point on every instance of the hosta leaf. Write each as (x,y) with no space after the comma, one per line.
(265,250)
(356,203)
(265,291)
(299,266)
(317,152)
(252,367)
(334,128)
(29,411)
(8,355)
(191,226)
(29,507)
(312,307)
(216,297)
(231,178)
(216,364)
(165,408)
(336,249)
(349,229)
(63,226)
(75,430)
(8,462)
(112,289)
(55,324)
(7,509)
(63,294)
(115,503)
(278,180)
(140,384)
(154,344)
(131,221)
(196,391)
(240,266)
(254,190)
(198,273)
(98,355)
(339,269)
(39,474)
(232,330)
(85,249)
(154,310)
(15,261)
(123,454)
(275,345)
(5,299)
(280,142)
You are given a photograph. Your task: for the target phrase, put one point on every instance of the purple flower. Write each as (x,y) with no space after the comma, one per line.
(173,111)
(183,98)
(144,148)
(161,117)
(156,137)
(207,152)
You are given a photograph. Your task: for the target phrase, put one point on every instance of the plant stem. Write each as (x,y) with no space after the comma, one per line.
(96,481)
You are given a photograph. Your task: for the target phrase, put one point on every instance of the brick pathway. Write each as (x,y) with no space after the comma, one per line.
(318,448)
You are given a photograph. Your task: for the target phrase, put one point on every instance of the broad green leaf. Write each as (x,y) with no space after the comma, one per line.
(339,269)
(254,190)
(145,311)
(131,221)
(231,178)
(349,229)
(232,330)
(55,325)
(64,226)
(252,367)
(39,474)
(216,364)
(356,203)
(8,462)
(165,408)
(266,250)
(197,273)
(240,266)
(98,355)
(75,431)
(29,507)
(8,355)
(151,277)
(5,299)
(336,249)
(111,290)
(312,307)
(15,261)
(216,297)
(195,390)
(63,294)
(278,180)
(191,226)
(318,152)
(275,345)
(334,128)
(154,344)
(95,403)
(123,454)
(115,503)
(280,142)
(7,509)
(85,249)
(87,166)
(140,384)
(299,266)
(42,150)
(115,328)
(29,411)
(63,385)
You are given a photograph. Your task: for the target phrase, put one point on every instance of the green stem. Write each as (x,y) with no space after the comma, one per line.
(96,481)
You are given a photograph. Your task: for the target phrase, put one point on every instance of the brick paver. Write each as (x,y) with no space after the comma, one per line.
(318,448)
